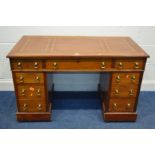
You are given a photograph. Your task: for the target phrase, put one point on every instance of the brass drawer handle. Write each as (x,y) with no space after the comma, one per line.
(36,65)
(21,79)
(19,65)
(23,92)
(136,66)
(102,65)
(55,65)
(114,106)
(38,92)
(39,107)
(131,93)
(128,106)
(116,92)
(120,65)
(37,78)
(133,78)
(118,78)
(25,107)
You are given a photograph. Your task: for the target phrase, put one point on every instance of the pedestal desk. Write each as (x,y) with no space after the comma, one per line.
(119,60)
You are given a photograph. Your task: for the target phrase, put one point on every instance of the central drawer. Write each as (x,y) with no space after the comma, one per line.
(78,64)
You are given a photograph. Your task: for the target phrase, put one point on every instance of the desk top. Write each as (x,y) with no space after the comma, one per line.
(76,46)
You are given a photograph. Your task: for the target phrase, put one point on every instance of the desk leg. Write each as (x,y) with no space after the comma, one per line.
(33,102)
(120,91)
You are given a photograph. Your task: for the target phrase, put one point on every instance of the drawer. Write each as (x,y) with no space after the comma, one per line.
(31,106)
(134,64)
(27,64)
(29,77)
(124,91)
(79,64)
(126,78)
(30,91)
(121,105)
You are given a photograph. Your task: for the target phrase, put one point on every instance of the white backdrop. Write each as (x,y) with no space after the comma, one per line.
(144,36)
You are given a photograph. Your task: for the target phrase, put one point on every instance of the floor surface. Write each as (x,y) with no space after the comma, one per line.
(79,110)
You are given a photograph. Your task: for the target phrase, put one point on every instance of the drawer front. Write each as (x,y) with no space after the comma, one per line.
(27,64)
(121,105)
(124,91)
(29,77)
(31,91)
(126,78)
(134,64)
(65,65)
(31,106)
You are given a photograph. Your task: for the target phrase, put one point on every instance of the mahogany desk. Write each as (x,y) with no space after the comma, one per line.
(119,60)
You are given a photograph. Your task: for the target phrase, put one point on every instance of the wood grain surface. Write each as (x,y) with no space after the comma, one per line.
(120,61)
(76,46)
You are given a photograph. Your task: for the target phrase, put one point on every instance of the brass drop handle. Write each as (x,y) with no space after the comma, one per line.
(54,65)
(120,65)
(128,106)
(36,65)
(38,92)
(37,78)
(131,92)
(23,92)
(25,107)
(102,65)
(19,65)
(114,106)
(21,79)
(116,92)
(133,77)
(136,66)
(118,78)
(39,107)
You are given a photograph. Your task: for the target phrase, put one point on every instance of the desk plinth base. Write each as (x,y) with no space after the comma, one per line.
(22,116)
(113,116)
(34,116)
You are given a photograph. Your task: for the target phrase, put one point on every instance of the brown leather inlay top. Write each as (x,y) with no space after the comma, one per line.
(74,46)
